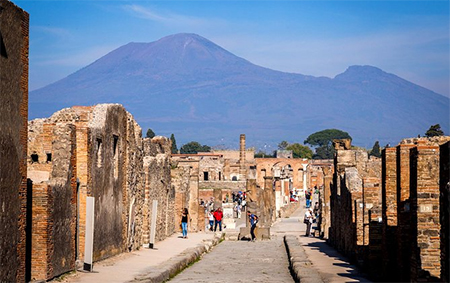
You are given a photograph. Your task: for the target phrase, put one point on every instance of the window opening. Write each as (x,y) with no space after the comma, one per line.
(34,158)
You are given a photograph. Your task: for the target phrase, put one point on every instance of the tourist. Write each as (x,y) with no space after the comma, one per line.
(211,220)
(308,198)
(253,219)
(237,208)
(316,209)
(308,220)
(218,219)
(184,222)
(244,204)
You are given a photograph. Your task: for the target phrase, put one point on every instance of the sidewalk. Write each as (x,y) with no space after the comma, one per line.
(331,265)
(167,256)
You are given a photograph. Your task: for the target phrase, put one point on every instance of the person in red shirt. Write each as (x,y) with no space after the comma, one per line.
(218,215)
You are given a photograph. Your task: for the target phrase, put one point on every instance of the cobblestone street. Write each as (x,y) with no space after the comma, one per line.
(241,261)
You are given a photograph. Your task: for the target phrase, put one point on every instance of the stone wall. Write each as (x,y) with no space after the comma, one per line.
(158,186)
(104,146)
(14,37)
(355,202)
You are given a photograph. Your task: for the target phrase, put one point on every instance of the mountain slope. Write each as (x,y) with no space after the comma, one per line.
(187,85)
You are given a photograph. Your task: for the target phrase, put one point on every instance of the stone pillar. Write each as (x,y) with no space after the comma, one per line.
(305,177)
(425,222)
(403,212)
(242,169)
(389,212)
(217,194)
(444,187)
(327,180)
(193,198)
(226,170)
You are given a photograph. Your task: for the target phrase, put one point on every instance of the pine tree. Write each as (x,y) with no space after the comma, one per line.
(150,133)
(434,130)
(174,144)
(375,150)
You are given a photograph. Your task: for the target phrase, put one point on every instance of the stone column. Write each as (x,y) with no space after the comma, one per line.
(305,177)
(193,198)
(327,180)
(242,169)
(425,222)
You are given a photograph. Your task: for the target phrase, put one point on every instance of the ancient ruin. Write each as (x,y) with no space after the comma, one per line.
(14,221)
(388,215)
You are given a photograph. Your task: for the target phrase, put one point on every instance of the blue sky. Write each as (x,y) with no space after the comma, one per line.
(319,38)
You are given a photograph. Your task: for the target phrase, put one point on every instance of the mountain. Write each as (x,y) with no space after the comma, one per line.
(187,85)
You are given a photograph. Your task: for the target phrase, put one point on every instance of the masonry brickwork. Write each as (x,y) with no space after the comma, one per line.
(388,216)
(95,151)
(14,37)
(444,205)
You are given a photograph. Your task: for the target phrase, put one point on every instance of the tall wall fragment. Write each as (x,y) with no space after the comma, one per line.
(14,39)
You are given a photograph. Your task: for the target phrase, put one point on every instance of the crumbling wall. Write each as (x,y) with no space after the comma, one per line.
(14,32)
(134,201)
(158,185)
(54,202)
(355,201)
(107,178)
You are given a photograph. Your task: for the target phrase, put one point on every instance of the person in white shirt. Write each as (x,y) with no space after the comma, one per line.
(308,220)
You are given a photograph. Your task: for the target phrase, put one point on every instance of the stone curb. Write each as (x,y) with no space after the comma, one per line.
(175,265)
(299,264)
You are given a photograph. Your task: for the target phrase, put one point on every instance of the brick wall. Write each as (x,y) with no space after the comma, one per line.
(444,204)
(425,225)
(54,228)
(14,30)
(389,212)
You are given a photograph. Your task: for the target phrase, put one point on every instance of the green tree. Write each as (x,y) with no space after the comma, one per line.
(376,150)
(262,154)
(300,151)
(323,141)
(174,144)
(434,130)
(283,145)
(194,147)
(150,133)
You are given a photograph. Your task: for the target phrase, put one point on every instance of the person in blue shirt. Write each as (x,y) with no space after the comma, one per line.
(253,219)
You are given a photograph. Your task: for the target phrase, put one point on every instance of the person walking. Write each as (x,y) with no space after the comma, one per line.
(218,219)
(253,219)
(184,222)
(211,220)
(308,220)
(308,198)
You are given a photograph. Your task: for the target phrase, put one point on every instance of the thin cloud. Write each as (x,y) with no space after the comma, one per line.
(58,34)
(82,59)
(165,17)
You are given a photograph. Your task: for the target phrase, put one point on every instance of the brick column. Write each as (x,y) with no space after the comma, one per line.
(389,211)
(403,211)
(424,194)
(444,187)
